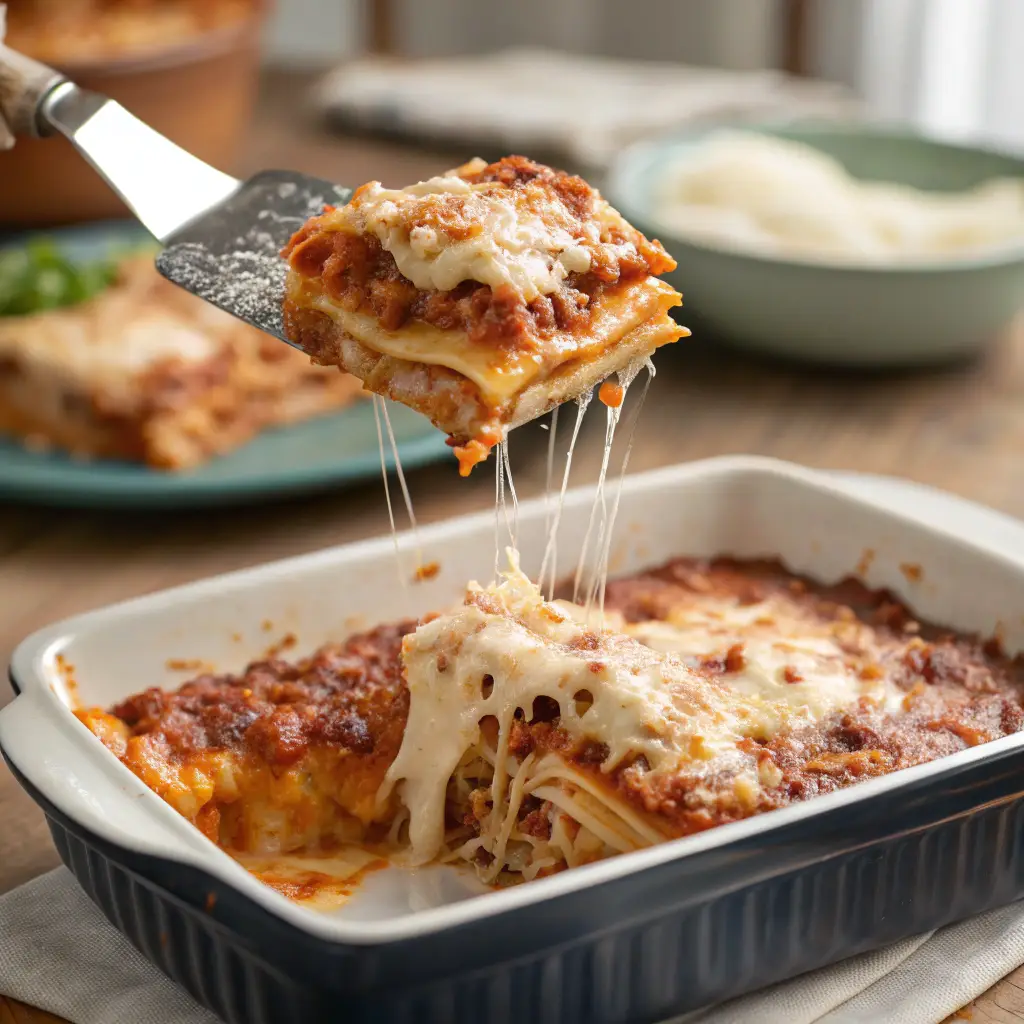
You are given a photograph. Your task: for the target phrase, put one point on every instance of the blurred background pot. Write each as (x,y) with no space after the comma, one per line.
(199,92)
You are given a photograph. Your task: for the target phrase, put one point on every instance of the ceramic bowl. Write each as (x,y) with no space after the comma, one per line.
(199,94)
(865,316)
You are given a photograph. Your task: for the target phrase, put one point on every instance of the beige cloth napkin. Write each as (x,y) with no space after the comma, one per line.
(58,953)
(541,101)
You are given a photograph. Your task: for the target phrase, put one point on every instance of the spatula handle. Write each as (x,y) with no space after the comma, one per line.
(163,185)
(24,84)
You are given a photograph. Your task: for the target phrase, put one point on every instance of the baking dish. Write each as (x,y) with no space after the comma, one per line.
(634,938)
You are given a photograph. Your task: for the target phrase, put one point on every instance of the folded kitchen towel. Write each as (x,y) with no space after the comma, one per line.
(58,953)
(542,101)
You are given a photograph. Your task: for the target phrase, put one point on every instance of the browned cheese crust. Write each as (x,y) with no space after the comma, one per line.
(282,757)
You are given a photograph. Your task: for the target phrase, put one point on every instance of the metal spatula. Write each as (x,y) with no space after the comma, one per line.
(222,236)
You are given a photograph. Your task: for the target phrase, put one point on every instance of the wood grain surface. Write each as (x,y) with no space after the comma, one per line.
(961,429)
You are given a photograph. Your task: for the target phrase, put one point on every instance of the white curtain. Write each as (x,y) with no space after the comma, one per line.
(952,67)
(729,33)
(302,33)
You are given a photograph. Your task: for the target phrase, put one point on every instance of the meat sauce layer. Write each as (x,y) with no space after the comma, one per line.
(349,696)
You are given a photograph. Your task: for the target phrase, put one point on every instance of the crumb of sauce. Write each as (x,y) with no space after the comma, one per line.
(867,559)
(211,901)
(912,571)
(312,884)
(324,890)
(734,660)
(286,643)
(611,394)
(471,454)
(67,674)
(426,571)
(236,638)
(307,887)
(266,625)
(187,665)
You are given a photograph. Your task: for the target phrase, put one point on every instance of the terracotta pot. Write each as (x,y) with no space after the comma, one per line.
(199,95)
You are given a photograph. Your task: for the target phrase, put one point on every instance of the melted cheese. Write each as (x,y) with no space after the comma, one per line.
(506,646)
(423,343)
(446,230)
(822,678)
(501,380)
(788,655)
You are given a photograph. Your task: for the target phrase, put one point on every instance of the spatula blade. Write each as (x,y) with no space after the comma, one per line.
(230,256)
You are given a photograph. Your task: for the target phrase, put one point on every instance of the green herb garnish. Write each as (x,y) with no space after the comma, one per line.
(39,277)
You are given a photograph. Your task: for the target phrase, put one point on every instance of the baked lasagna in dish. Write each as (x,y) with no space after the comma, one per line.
(481,298)
(144,371)
(512,734)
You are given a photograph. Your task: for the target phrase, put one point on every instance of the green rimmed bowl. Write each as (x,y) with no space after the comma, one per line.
(897,315)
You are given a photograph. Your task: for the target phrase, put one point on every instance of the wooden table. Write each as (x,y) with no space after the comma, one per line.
(959,429)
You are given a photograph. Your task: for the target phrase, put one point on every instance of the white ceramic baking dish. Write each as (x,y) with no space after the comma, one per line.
(140,860)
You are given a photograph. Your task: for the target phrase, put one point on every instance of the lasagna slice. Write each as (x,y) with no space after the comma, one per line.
(145,372)
(282,758)
(481,298)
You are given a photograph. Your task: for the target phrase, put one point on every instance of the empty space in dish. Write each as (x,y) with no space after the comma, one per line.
(732,506)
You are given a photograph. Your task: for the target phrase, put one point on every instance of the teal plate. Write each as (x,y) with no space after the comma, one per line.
(324,453)
(316,455)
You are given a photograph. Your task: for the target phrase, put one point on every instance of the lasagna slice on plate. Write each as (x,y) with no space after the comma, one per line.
(481,298)
(143,371)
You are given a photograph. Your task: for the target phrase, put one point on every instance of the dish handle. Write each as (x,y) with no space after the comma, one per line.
(85,782)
